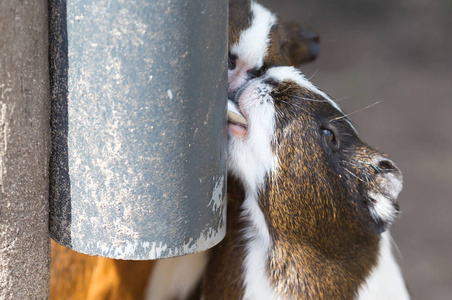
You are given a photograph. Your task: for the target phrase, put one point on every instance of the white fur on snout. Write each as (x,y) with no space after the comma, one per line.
(252,46)
(385,194)
(251,159)
(394,184)
(382,209)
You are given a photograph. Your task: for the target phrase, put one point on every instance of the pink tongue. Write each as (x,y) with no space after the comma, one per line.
(237,129)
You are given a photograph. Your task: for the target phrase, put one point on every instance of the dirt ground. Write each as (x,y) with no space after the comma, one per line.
(400,53)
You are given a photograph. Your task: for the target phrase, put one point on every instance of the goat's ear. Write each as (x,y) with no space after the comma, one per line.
(300,45)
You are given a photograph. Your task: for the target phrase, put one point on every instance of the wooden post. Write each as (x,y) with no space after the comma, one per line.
(24,150)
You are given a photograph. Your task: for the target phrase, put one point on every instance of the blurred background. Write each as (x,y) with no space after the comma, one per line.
(400,53)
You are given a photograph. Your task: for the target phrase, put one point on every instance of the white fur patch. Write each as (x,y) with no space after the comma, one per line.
(292,74)
(252,46)
(252,159)
(390,185)
(386,280)
(382,209)
(175,278)
(256,280)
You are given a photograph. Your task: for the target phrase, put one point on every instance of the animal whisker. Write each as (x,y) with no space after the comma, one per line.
(372,165)
(356,111)
(369,180)
(297,106)
(341,99)
(314,74)
(289,87)
(309,99)
(353,174)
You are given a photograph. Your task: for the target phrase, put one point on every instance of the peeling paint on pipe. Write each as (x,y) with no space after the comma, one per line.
(138,120)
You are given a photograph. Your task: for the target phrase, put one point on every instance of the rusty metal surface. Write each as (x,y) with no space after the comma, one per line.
(139,112)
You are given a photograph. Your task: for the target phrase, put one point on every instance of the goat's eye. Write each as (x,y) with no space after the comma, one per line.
(328,133)
(329,136)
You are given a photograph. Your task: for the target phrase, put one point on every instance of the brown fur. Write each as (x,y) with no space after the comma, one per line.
(218,283)
(79,276)
(320,240)
(324,240)
(239,19)
(290,43)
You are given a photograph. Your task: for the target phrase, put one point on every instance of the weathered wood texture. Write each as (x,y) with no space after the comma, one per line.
(24,150)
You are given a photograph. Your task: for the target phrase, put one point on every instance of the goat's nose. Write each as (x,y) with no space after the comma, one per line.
(314,48)
(388,169)
(313,41)
(385,165)
(231,61)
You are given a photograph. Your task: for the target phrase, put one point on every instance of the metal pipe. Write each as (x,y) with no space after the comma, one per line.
(139,95)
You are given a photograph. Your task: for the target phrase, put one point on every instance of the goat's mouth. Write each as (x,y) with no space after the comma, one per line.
(237,124)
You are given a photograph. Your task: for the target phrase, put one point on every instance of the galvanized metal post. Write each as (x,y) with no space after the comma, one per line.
(24,150)
(139,95)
